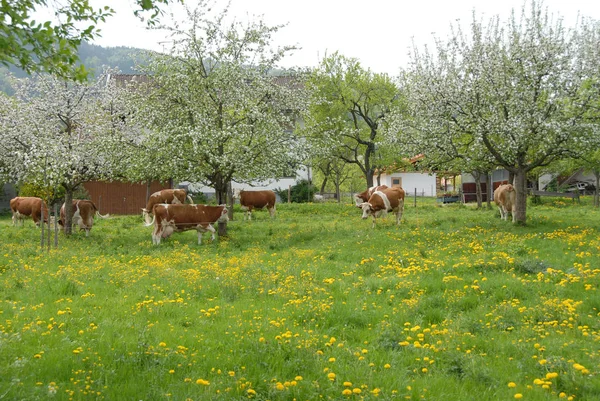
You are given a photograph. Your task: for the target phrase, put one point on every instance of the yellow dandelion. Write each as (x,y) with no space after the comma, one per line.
(250,392)
(518,396)
(512,385)
(551,375)
(202,382)
(331,359)
(347,392)
(356,390)
(331,376)
(162,344)
(279,386)
(347,384)
(387,366)
(298,378)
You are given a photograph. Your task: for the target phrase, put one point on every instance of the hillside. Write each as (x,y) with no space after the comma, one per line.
(93,57)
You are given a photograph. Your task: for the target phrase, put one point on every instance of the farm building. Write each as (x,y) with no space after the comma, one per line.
(497,178)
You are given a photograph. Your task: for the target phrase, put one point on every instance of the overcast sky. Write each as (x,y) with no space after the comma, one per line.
(379,33)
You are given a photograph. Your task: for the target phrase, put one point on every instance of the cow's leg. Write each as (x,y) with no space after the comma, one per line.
(400,211)
(374,218)
(156,234)
(272,211)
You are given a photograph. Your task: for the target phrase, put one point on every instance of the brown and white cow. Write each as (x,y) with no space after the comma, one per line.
(83,215)
(250,200)
(505,198)
(384,201)
(168,218)
(365,195)
(23,207)
(171,196)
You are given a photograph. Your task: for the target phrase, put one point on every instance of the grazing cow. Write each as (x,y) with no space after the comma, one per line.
(168,218)
(171,196)
(23,207)
(365,195)
(250,200)
(381,202)
(505,198)
(82,214)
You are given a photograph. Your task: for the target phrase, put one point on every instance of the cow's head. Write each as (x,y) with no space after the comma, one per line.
(224,215)
(367,209)
(236,193)
(358,201)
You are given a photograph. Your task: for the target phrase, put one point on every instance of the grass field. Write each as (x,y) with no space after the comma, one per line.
(454,304)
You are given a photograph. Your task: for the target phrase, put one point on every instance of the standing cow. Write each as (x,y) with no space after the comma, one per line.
(250,200)
(384,201)
(180,217)
(23,207)
(83,215)
(170,196)
(365,195)
(505,198)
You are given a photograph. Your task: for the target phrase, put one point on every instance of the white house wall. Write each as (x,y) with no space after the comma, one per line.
(424,183)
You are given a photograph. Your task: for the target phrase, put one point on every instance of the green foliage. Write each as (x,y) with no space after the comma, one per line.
(44,46)
(302,192)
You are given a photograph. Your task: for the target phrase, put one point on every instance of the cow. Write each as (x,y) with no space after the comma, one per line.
(83,213)
(250,200)
(171,196)
(365,195)
(505,198)
(384,201)
(23,207)
(168,218)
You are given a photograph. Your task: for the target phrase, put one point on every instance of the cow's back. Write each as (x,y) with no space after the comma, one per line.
(395,195)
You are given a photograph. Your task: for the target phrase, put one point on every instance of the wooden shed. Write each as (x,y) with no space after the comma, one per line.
(121,197)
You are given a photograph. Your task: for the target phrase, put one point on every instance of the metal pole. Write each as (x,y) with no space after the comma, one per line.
(49,231)
(42,223)
(415,197)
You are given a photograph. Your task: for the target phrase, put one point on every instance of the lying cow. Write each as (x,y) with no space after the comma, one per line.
(384,201)
(23,207)
(505,198)
(83,213)
(366,195)
(170,196)
(250,200)
(168,218)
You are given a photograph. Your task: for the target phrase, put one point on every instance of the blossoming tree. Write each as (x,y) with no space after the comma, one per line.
(517,89)
(60,133)
(215,107)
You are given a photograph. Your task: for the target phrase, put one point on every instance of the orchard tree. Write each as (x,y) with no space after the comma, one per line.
(214,105)
(48,46)
(515,87)
(348,110)
(60,133)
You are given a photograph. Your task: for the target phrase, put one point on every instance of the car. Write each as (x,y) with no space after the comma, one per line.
(579,186)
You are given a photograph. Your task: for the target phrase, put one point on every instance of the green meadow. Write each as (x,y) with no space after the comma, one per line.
(453,304)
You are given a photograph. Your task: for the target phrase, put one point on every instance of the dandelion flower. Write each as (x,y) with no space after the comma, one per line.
(518,396)
(512,385)
(347,392)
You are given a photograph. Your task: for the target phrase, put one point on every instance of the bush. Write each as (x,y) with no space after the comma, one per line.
(302,192)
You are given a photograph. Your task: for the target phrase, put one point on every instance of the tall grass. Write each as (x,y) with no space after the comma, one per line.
(454,304)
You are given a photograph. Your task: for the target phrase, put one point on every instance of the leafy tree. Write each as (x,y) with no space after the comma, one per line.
(515,89)
(348,111)
(302,192)
(214,107)
(52,47)
(59,133)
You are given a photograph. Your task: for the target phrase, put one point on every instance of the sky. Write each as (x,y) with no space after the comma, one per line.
(379,33)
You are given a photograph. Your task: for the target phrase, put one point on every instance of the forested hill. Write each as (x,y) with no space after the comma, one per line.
(93,57)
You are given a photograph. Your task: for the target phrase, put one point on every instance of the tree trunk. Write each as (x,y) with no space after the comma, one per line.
(370,173)
(148,182)
(229,201)
(221,194)
(520,184)
(323,186)
(68,223)
(337,187)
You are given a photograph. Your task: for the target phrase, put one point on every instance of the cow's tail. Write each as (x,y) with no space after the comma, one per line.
(106,216)
(190,199)
(148,224)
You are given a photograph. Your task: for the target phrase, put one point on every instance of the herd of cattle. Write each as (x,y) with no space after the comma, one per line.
(169,213)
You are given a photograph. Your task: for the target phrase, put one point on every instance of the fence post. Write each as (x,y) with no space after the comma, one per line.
(415,197)
(49,231)
(55,226)
(289,194)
